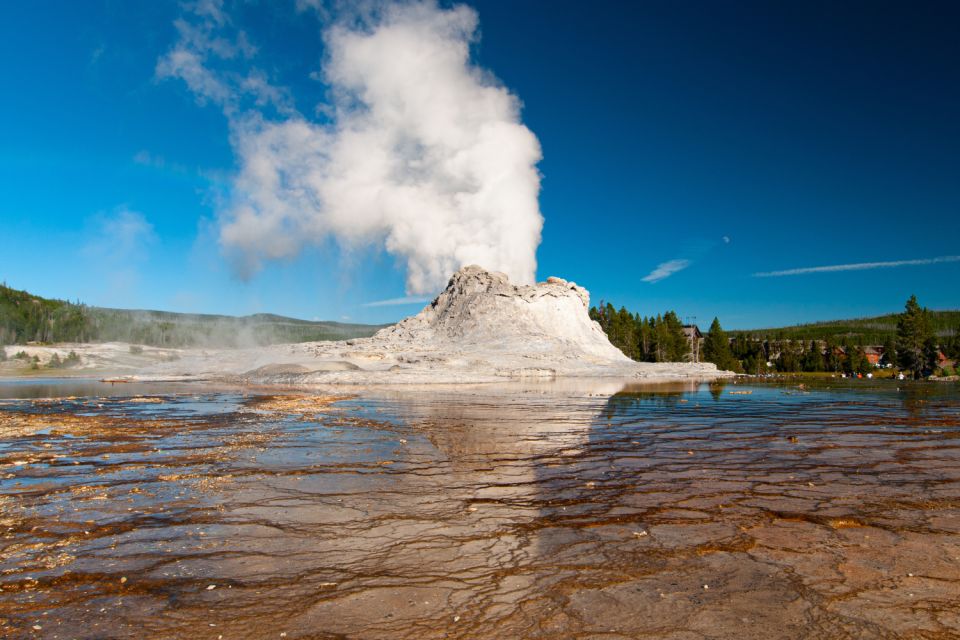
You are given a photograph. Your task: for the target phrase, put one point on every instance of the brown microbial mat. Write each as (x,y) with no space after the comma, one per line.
(682,512)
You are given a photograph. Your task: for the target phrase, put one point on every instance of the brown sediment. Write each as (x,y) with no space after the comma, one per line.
(307,406)
(473,516)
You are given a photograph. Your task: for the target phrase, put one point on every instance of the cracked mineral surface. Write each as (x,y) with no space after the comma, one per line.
(549,511)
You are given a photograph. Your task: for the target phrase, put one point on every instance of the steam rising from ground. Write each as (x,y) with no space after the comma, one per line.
(423,152)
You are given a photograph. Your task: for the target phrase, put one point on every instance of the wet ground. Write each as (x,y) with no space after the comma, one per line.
(669,512)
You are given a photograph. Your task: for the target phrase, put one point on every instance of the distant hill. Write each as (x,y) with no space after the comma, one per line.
(25,317)
(864,330)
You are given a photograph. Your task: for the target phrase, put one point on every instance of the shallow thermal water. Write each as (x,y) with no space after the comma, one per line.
(669,512)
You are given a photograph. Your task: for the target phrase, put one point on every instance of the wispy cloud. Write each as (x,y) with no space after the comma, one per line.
(213,57)
(119,237)
(857,266)
(692,250)
(396,302)
(666,269)
(155,161)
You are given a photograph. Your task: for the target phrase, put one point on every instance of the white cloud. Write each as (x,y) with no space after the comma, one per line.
(396,302)
(188,65)
(212,9)
(857,266)
(424,152)
(665,270)
(206,60)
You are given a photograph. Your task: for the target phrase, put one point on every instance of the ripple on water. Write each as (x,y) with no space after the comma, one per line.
(674,511)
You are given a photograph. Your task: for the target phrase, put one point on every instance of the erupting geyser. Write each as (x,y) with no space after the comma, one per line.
(419,150)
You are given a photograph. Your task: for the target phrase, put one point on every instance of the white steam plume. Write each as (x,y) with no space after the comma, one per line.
(424,152)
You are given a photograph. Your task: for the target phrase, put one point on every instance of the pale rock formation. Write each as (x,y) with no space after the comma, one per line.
(480,329)
(480,310)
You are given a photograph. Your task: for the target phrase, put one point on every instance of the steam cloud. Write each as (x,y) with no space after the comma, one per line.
(423,153)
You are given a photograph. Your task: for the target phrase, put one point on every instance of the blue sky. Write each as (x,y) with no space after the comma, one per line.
(685,150)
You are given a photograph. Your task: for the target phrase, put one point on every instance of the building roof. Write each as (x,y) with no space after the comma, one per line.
(692,330)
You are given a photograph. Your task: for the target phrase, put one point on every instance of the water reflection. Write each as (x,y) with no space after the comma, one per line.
(20,388)
(676,510)
(716,388)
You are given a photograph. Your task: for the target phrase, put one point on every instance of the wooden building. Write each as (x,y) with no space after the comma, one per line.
(874,354)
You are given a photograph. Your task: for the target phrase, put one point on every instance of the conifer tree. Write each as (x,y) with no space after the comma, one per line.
(646,339)
(677,346)
(889,351)
(716,347)
(659,339)
(856,361)
(832,359)
(931,355)
(627,338)
(955,348)
(790,355)
(913,331)
(813,358)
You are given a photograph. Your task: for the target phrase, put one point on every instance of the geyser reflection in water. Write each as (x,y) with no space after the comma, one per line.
(666,510)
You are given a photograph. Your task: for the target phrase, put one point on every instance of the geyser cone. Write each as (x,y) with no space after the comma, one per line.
(480,329)
(482,310)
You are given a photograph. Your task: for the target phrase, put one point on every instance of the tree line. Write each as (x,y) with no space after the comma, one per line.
(915,346)
(857,331)
(653,339)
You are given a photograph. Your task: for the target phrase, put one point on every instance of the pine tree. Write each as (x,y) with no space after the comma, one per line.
(716,347)
(677,345)
(813,358)
(955,347)
(628,341)
(659,339)
(856,361)
(889,351)
(931,355)
(832,359)
(790,355)
(913,331)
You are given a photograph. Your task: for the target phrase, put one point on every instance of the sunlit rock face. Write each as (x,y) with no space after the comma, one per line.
(482,309)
